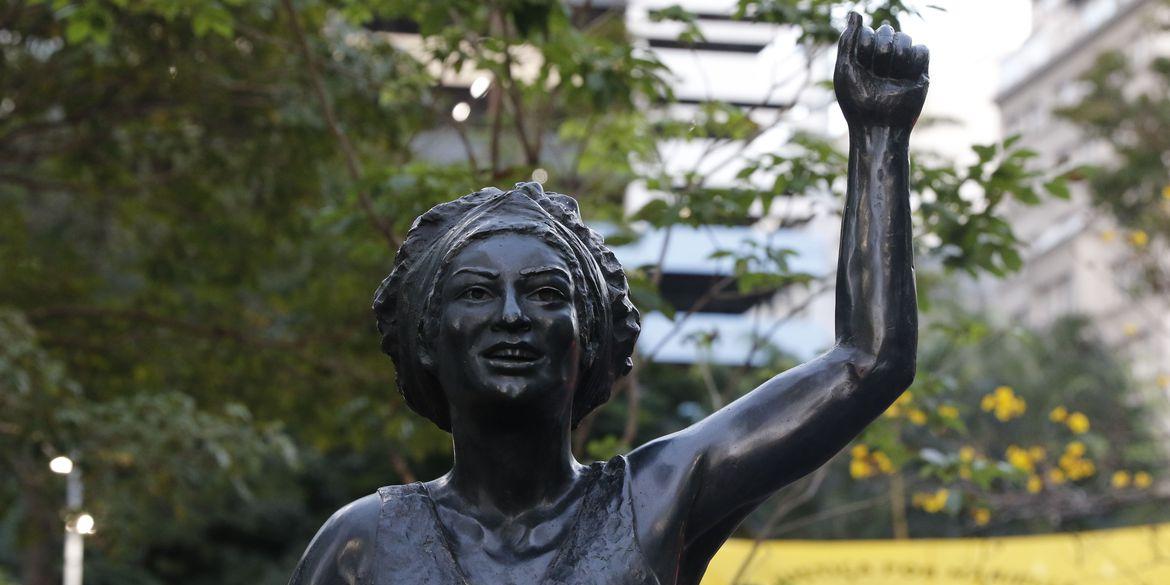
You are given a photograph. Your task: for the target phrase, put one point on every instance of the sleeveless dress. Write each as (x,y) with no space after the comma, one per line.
(600,548)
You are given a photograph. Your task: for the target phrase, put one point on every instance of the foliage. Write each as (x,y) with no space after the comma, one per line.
(1011,430)
(154,462)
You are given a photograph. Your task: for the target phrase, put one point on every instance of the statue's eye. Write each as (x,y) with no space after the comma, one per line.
(476,293)
(548,294)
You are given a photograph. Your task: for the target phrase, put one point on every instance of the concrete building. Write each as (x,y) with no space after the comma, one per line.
(762,68)
(1077,260)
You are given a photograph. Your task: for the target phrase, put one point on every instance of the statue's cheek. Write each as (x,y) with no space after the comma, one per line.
(562,329)
(460,323)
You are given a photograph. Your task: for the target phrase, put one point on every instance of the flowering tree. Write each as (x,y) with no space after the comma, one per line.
(1028,454)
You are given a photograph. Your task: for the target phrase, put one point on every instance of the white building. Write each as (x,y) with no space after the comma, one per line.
(762,68)
(1077,260)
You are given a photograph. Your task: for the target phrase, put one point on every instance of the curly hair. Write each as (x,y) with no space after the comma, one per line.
(407,312)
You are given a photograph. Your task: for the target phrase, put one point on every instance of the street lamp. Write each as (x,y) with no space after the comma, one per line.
(78,523)
(62,465)
(84,524)
(480,86)
(461,111)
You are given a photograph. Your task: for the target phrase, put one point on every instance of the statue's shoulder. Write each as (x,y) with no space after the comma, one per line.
(356,519)
(343,549)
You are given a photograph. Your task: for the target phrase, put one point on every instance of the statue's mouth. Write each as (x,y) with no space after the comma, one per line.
(511,355)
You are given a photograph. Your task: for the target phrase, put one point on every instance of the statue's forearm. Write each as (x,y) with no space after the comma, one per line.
(876,308)
(800,418)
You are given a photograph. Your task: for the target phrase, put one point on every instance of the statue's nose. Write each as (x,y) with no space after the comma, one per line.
(512,316)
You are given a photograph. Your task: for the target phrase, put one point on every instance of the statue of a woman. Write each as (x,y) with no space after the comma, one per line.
(509,321)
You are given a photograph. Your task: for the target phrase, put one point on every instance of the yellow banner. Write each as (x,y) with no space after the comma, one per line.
(1138,555)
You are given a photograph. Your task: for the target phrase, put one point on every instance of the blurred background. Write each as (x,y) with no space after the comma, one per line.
(198,198)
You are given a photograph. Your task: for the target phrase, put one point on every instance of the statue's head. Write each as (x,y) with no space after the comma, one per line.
(506,296)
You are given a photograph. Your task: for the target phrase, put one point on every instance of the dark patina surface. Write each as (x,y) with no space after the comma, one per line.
(509,321)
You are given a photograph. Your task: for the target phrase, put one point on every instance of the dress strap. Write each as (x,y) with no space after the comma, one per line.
(411,547)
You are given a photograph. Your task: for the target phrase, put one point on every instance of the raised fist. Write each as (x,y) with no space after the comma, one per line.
(880,78)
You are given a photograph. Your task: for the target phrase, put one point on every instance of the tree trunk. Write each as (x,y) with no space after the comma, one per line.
(898,507)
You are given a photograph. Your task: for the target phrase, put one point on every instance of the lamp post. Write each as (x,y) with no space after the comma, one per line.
(77,524)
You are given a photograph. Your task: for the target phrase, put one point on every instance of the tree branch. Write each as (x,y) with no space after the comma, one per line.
(352,163)
(812,484)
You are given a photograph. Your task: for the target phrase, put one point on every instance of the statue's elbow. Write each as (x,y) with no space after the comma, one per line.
(889,368)
(895,369)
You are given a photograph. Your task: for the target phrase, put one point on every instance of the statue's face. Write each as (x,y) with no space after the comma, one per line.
(508,327)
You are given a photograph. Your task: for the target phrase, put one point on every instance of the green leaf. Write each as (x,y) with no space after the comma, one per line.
(985,152)
(1058,187)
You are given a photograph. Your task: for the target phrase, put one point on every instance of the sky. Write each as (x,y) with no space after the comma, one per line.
(967,41)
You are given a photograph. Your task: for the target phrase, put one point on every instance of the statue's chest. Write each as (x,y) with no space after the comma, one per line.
(597,546)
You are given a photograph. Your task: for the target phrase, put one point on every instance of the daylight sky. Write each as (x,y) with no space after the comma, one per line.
(967,42)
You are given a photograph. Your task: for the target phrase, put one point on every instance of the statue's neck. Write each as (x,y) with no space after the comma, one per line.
(511,466)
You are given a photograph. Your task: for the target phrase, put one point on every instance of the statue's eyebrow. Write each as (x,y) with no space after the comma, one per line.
(484,272)
(527,272)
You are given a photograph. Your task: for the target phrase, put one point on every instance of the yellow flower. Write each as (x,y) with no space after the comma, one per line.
(1108,235)
(1056,476)
(860,469)
(1019,458)
(1164,380)
(859,451)
(1083,469)
(1035,484)
(894,411)
(1073,465)
(1008,411)
(1142,480)
(932,503)
(883,462)
(1166,192)
(1120,479)
(1004,402)
(988,403)
(1078,423)
(966,454)
(1058,414)
(917,417)
(982,516)
(1139,238)
(948,412)
(965,472)
(1037,453)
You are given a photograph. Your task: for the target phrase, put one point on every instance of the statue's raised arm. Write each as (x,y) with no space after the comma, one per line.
(701,482)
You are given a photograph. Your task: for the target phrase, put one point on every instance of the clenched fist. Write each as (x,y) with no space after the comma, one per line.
(881,77)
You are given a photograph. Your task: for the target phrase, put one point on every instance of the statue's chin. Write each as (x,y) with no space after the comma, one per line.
(518,390)
(513,387)
(524,392)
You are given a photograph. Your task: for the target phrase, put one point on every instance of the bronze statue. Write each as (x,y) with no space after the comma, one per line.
(509,321)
